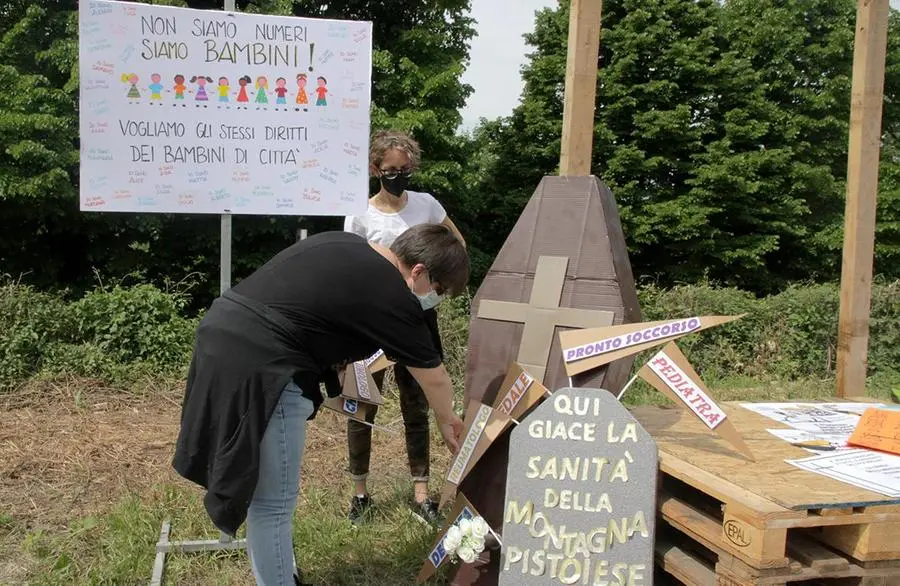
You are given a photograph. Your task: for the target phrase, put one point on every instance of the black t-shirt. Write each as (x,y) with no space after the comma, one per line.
(346,301)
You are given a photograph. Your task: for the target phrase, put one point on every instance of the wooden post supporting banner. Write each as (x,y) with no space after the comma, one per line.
(867,96)
(581,87)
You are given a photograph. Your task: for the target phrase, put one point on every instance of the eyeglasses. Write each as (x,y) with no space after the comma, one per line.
(394,173)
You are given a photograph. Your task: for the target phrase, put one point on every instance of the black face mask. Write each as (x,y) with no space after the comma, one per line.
(395,186)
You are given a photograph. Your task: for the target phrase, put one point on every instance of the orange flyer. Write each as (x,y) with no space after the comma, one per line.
(878,429)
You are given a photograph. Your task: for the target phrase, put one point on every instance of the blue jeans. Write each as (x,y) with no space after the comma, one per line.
(269,520)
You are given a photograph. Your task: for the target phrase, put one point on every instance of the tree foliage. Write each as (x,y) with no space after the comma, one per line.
(721,129)
(420,50)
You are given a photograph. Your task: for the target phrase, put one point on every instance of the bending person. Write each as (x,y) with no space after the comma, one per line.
(263,348)
(393,157)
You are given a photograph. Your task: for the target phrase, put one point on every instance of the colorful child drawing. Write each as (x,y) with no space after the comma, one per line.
(179,87)
(223,89)
(301,89)
(201,81)
(321,91)
(244,81)
(156,87)
(280,90)
(133,92)
(261,84)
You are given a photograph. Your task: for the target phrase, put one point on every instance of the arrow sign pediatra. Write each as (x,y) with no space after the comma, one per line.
(358,383)
(519,392)
(481,427)
(592,348)
(670,373)
(462,509)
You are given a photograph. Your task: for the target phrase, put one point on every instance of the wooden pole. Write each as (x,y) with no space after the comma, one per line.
(581,87)
(867,96)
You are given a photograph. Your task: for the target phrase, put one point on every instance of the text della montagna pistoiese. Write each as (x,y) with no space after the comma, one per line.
(569,555)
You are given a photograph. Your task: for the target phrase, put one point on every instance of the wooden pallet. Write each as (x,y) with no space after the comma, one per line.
(704,556)
(764,522)
(684,565)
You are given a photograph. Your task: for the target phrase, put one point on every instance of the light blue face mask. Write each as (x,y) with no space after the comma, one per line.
(430,300)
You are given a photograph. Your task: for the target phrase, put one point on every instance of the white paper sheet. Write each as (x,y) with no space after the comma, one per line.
(875,471)
(794,414)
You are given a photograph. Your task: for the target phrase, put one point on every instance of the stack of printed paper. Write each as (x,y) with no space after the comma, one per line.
(875,471)
(820,424)
(828,426)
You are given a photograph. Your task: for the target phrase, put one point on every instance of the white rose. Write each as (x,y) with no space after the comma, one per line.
(480,528)
(465,527)
(478,546)
(452,539)
(466,554)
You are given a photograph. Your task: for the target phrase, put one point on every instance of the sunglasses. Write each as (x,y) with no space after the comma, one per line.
(394,173)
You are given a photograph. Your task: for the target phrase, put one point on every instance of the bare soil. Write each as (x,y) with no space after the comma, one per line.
(73,449)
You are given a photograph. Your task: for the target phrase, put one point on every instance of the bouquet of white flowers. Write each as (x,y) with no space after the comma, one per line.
(465,539)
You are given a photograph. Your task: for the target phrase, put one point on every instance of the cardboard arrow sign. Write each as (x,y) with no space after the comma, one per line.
(670,372)
(358,382)
(519,392)
(592,348)
(481,427)
(462,509)
(348,407)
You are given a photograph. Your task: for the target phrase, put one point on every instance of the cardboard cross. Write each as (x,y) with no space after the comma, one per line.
(542,314)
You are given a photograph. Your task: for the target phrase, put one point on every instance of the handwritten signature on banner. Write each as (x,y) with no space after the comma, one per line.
(100,9)
(198,176)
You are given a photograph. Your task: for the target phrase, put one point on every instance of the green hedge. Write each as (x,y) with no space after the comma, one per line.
(792,335)
(115,334)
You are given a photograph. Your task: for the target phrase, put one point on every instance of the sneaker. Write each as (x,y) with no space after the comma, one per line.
(359,506)
(428,510)
(298,578)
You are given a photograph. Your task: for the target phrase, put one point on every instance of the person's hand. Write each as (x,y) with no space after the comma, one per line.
(450,431)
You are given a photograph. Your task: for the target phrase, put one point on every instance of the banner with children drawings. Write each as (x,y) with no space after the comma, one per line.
(200,111)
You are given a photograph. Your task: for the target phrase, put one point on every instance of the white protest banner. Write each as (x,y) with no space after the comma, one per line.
(198,111)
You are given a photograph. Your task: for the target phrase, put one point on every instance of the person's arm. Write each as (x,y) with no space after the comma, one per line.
(439,216)
(438,389)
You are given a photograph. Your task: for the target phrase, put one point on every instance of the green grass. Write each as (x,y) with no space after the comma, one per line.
(117,548)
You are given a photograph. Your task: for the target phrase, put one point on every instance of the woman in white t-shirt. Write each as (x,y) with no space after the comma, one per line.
(393,157)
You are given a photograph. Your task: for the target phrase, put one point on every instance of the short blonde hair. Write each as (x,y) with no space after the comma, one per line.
(387,140)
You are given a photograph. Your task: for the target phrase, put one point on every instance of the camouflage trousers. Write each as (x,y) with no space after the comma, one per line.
(414,408)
